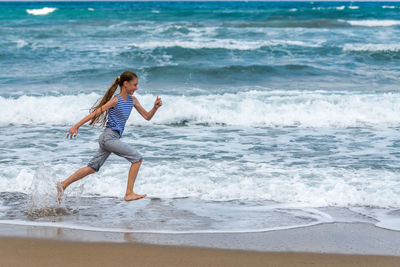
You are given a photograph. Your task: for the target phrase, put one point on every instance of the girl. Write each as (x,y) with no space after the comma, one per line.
(113,112)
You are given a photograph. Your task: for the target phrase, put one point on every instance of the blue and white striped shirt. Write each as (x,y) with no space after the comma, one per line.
(118,115)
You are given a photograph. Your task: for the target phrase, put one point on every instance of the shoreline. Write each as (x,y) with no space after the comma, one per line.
(332,238)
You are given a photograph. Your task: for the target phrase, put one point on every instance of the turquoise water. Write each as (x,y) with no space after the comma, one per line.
(182,46)
(285,113)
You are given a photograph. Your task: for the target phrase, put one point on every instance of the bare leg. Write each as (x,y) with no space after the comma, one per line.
(133,171)
(79,174)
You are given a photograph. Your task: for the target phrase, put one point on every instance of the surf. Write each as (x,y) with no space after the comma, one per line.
(41,11)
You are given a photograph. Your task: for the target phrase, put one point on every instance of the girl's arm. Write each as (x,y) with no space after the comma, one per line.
(147,115)
(74,129)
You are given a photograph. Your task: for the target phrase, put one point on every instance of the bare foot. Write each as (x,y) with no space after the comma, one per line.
(60,191)
(133,196)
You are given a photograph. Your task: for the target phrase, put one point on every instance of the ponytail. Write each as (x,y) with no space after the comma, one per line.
(100,115)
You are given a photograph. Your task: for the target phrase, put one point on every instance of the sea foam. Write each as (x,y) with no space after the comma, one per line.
(313,187)
(372,47)
(41,11)
(199,43)
(252,108)
(374,23)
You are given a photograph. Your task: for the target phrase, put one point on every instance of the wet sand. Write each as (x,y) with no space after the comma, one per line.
(335,238)
(337,244)
(38,252)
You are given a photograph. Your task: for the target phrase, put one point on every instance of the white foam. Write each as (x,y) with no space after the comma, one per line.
(3,208)
(390,223)
(91,9)
(372,47)
(391,7)
(301,109)
(218,43)
(311,187)
(373,23)
(21,43)
(56,110)
(328,8)
(353,7)
(252,108)
(41,11)
(331,186)
(16,180)
(384,217)
(153,231)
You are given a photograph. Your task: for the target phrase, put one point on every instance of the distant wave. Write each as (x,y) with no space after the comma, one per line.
(319,22)
(327,8)
(373,23)
(372,47)
(232,72)
(41,11)
(219,43)
(252,108)
(21,43)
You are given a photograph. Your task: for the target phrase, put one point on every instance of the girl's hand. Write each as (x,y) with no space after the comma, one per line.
(72,132)
(158,103)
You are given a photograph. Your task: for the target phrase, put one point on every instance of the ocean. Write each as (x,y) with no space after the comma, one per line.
(276,115)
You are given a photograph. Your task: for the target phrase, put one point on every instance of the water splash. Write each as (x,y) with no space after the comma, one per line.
(42,198)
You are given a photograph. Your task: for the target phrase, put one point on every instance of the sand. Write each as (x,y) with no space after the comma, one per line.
(39,252)
(337,244)
(333,238)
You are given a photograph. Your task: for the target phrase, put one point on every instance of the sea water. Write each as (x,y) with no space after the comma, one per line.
(275,114)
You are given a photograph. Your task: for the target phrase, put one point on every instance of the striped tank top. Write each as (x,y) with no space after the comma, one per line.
(118,115)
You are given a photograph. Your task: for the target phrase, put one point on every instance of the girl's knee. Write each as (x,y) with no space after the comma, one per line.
(91,170)
(138,162)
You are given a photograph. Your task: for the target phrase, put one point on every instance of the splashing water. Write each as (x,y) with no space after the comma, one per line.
(42,200)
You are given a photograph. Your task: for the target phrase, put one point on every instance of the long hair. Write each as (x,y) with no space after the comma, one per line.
(100,115)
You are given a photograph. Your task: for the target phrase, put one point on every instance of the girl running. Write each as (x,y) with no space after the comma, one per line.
(113,112)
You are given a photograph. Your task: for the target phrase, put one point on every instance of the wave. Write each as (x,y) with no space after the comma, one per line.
(21,43)
(373,23)
(237,74)
(305,23)
(252,108)
(219,43)
(330,186)
(196,43)
(372,47)
(330,8)
(41,11)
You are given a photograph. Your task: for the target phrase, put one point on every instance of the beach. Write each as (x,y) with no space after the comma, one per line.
(325,245)
(277,143)
(51,253)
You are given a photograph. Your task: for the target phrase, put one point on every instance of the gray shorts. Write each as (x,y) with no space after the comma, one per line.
(110,143)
